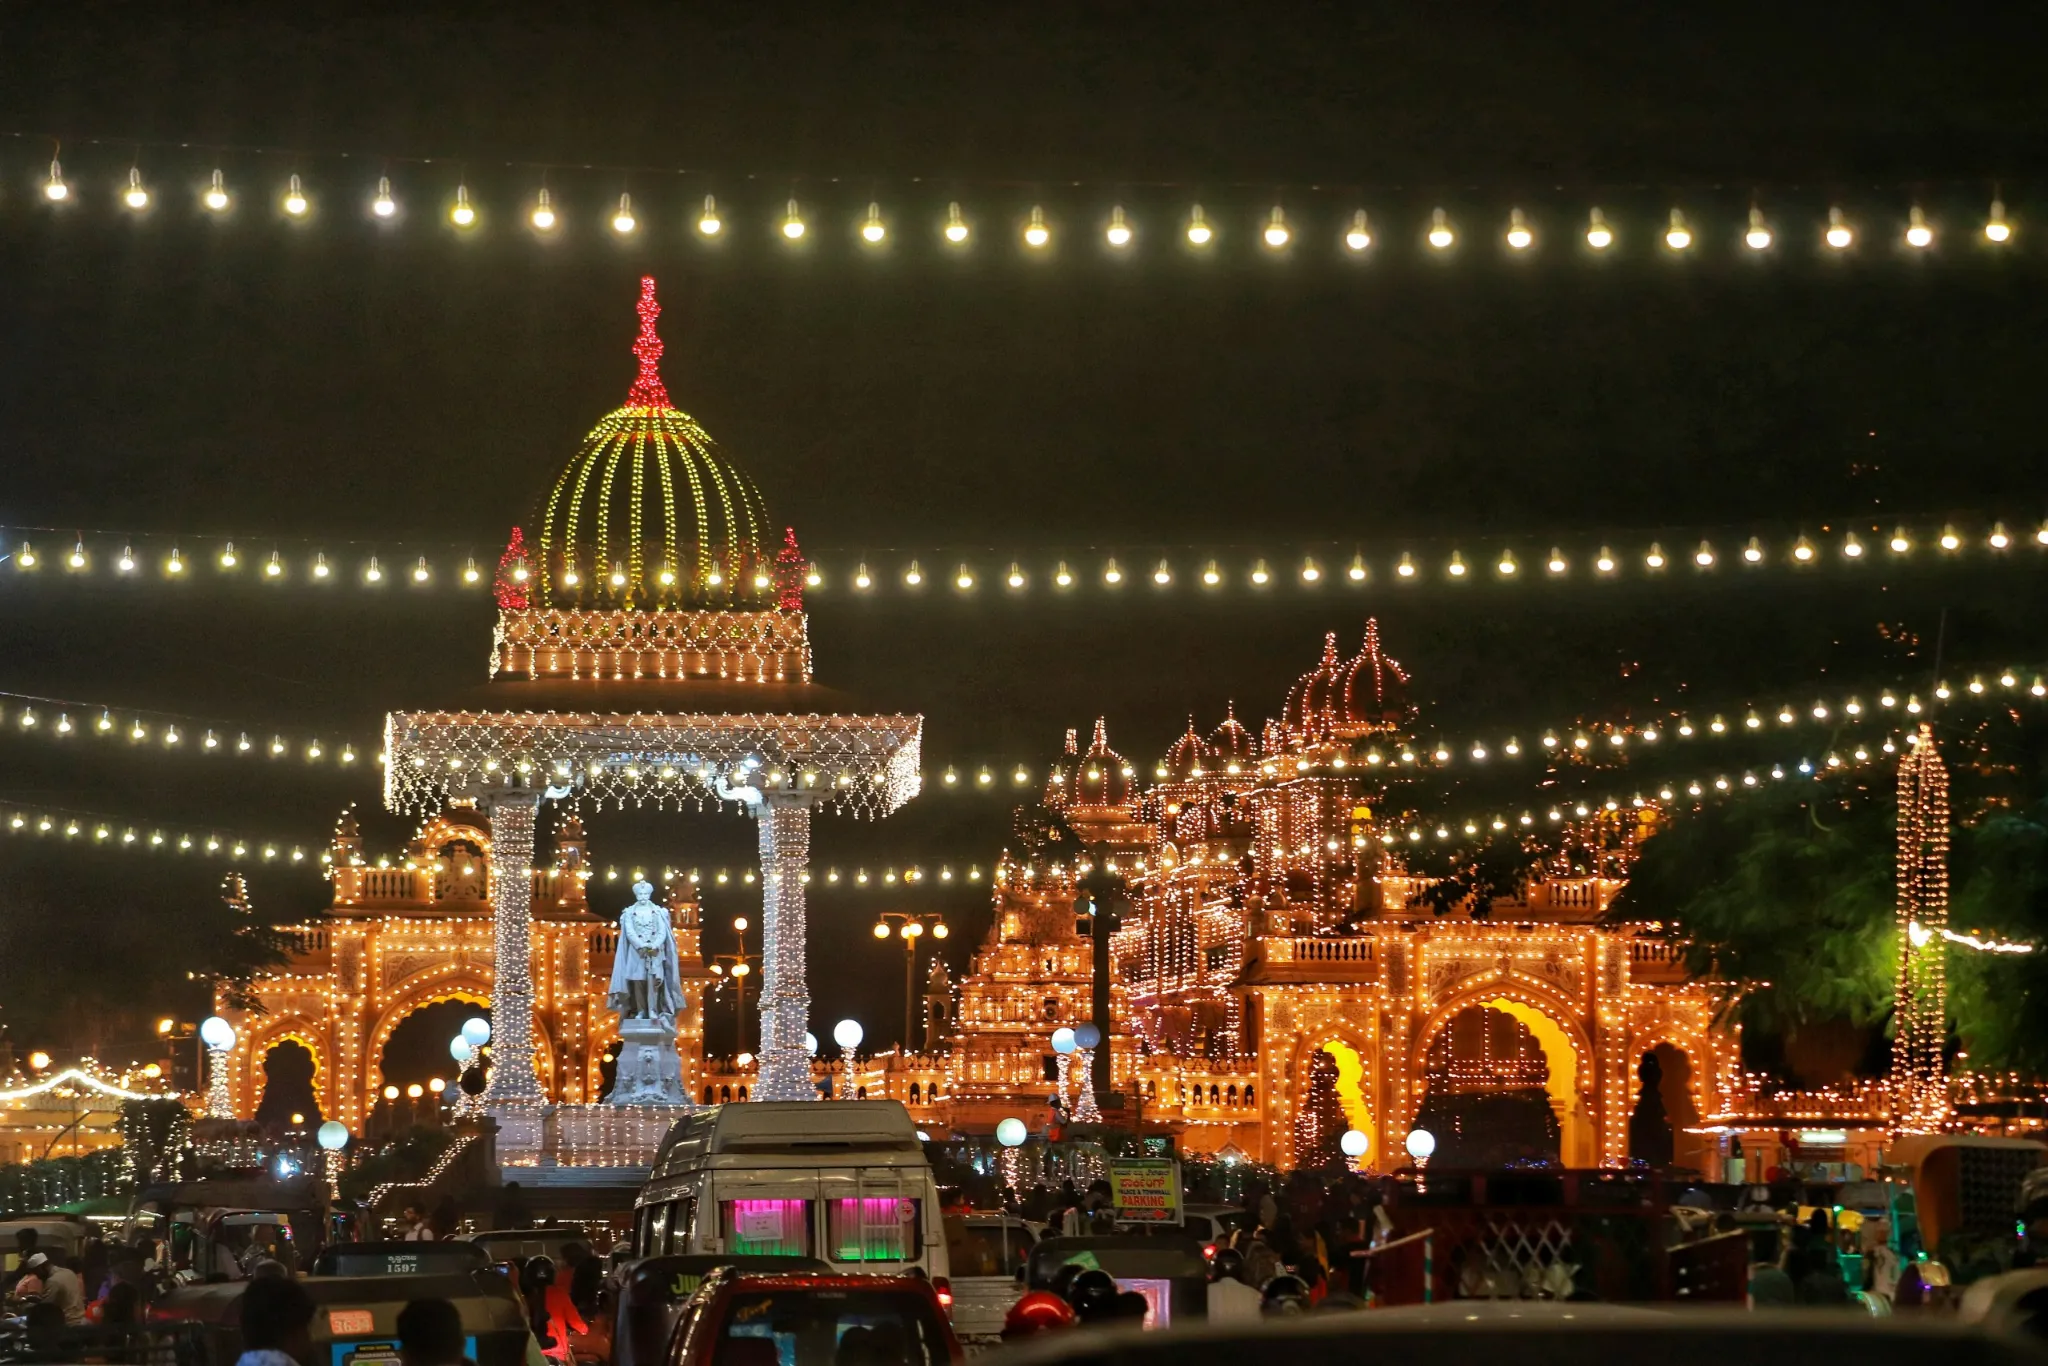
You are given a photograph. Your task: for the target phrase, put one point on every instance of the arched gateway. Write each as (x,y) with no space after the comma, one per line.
(649,648)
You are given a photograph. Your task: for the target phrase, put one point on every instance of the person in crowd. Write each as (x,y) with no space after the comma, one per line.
(61,1286)
(122,1307)
(443,1220)
(412,1226)
(586,1278)
(1261,1260)
(549,1312)
(44,1324)
(25,1240)
(430,1334)
(1231,1300)
(277,1319)
(512,1211)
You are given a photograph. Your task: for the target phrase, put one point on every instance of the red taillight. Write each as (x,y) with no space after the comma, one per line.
(944,1289)
(1209,1251)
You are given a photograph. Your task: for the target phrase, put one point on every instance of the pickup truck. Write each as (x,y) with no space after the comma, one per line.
(987,1253)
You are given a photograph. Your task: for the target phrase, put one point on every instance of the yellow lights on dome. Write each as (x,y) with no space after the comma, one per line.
(1997,228)
(1440,236)
(872,229)
(623,221)
(543,215)
(1112,575)
(708,222)
(1118,233)
(956,226)
(1358,236)
(295,202)
(54,189)
(618,575)
(1758,237)
(1677,235)
(1211,575)
(135,196)
(793,221)
(913,576)
(1918,234)
(1599,236)
(216,196)
(1277,234)
(1199,232)
(1520,237)
(570,578)
(1838,236)
(1036,233)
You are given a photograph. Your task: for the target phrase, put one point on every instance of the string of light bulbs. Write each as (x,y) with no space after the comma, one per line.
(1359,230)
(856,879)
(100,831)
(27,554)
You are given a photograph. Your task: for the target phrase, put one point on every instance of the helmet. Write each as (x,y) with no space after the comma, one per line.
(1093,1295)
(1286,1293)
(1226,1265)
(1039,1311)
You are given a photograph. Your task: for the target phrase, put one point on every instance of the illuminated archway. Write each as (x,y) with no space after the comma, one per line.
(1346,1090)
(1568,1056)
(428,988)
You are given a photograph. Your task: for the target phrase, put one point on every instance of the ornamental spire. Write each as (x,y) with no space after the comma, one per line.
(648,390)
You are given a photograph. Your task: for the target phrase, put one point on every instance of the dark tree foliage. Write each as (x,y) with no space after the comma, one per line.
(1494,867)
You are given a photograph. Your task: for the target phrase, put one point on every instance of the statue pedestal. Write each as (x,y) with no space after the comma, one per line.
(650,1071)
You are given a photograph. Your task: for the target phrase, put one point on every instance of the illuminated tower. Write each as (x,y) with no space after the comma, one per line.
(1920,1016)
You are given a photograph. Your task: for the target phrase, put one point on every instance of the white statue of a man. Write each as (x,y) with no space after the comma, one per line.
(646,983)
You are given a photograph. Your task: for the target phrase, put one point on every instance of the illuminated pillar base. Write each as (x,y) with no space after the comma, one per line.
(513,1080)
(785,830)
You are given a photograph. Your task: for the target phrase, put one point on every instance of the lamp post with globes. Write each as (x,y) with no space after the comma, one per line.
(219,1037)
(848,1034)
(910,926)
(736,967)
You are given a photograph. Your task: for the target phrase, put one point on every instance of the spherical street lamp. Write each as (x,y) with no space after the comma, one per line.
(477,1030)
(1064,1041)
(1421,1143)
(459,1049)
(1087,1036)
(218,1036)
(810,1043)
(217,1033)
(1354,1143)
(332,1136)
(848,1033)
(1011,1133)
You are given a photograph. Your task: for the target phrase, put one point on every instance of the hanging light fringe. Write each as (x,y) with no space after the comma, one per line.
(100,831)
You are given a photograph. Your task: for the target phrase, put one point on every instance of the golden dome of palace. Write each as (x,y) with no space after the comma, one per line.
(649,512)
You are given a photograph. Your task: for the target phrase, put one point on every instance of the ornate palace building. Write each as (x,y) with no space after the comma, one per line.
(1278,976)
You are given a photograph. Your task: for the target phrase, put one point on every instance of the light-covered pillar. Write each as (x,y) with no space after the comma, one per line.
(785,819)
(513,1081)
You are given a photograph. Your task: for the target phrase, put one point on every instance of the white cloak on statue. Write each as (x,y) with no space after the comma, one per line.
(628,965)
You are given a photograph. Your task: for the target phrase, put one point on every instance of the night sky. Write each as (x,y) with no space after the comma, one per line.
(360,387)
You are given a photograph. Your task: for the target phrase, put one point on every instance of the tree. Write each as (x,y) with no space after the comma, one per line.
(1495,867)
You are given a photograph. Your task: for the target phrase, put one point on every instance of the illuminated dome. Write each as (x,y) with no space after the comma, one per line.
(1349,698)
(1104,781)
(1232,743)
(649,512)
(1190,756)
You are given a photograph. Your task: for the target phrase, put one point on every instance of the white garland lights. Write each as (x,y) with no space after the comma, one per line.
(293,192)
(115,832)
(29,553)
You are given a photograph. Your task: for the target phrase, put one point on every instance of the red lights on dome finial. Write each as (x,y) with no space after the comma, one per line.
(648,390)
(790,573)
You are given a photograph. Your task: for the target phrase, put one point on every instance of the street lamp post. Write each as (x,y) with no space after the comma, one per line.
(1063,1046)
(736,967)
(910,926)
(1087,1038)
(219,1037)
(848,1034)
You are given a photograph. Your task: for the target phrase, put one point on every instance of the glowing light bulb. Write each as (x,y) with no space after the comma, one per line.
(274,566)
(320,564)
(1118,233)
(913,575)
(216,196)
(295,198)
(708,222)
(1507,566)
(793,222)
(1851,547)
(1704,556)
(1950,539)
(1199,233)
(54,189)
(1163,575)
(956,226)
(1996,227)
(1655,558)
(420,572)
(1519,238)
(1605,562)
(375,572)
(1999,538)
(228,559)
(622,220)
(543,216)
(1016,576)
(1063,576)
(1310,573)
(1111,575)
(1456,568)
(1405,568)
(1036,233)
(1802,550)
(1758,238)
(1440,235)
(176,564)
(384,206)
(1356,571)
(1677,236)
(1359,236)
(1277,234)
(470,573)
(1753,552)
(1556,564)
(964,580)
(860,576)
(463,215)
(1918,234)
(77,556)
(667,577)
(1211,575)
(136,197)
(1598,235)
(1838,234)
(126,564)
